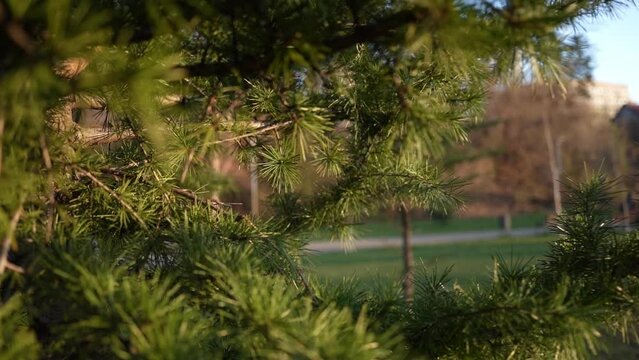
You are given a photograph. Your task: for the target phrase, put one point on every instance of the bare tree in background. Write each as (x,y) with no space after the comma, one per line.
(539,140)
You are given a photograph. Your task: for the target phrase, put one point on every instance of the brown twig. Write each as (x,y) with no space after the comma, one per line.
(202,92)
(120,170)
(8,237)
(1,134)
(122,202)
(193,196)
(46,159)
(307,287)
(257,132)
(16,32)
(14,268)
(189,194)
(402,92)
(108,138)
(296,268)
(187,165)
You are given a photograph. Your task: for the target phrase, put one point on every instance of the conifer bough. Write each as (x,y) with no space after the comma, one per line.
(124,247)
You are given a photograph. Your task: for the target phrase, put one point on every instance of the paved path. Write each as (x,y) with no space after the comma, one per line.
(378,243)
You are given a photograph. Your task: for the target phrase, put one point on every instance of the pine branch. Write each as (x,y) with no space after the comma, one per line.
(187,193)
(379,29)
(298,272)
(1,136)
(108,138)
(117,197)
(8,238)
(374,31)
(187,165)
(14,268)
(16,32)
(120,170)
(46,159)
(258,131)
(190,194)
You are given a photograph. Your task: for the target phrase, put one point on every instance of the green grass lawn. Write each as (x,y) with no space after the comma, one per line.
(379,228)
(471,261)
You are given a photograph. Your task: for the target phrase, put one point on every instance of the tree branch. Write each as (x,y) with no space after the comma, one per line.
(15,31)
(1,134)
(187,193)
(107,138)
(120,170)
(117,197)
(379,29)
(376,30)
(46,159)
(256,132)
(6,242)
(187,165)
(190,194)
(15,268)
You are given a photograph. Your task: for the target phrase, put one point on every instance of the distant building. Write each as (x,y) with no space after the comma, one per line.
(627,118)
(607,98)
(604,98)
(626,158)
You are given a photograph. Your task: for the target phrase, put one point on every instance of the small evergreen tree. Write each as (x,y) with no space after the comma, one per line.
(116,243)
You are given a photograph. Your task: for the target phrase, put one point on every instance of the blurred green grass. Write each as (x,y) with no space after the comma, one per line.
(471,261)
(384,228)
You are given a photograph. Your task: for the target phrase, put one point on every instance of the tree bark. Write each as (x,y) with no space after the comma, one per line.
(407,252)
(505,222)
(555,171)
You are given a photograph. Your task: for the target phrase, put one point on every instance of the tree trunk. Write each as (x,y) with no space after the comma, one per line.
(555,171)
(506,223)
(407,252)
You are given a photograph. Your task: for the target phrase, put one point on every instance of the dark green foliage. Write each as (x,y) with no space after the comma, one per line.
(98,313)
(17,340)
(115,235)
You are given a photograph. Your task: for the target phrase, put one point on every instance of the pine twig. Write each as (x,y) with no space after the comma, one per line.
(379,29)
(107,138)
(16,32)
(307,287)
(1,134)
(199,89)
(14,268)
(187,165)
(120,170)
(117,197)
(296,268)
(6,242)
(257,132)
(190,194)
(46,159)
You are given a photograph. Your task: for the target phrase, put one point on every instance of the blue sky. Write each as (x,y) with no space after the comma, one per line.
(615,48)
